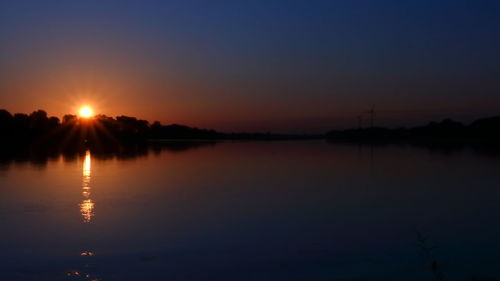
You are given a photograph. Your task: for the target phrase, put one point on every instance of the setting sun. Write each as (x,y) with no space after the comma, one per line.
(86,112)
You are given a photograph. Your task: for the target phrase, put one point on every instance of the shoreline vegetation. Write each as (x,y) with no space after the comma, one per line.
(38,129)
(102,132)
(484,130)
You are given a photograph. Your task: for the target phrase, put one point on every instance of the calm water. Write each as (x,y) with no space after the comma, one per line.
(299,210)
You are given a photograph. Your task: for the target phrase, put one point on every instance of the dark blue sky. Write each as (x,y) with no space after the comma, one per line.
(253,65)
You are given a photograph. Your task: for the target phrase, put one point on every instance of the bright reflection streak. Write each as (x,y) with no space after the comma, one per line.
(86,253)
(87,212)
(86,165)
(87,206)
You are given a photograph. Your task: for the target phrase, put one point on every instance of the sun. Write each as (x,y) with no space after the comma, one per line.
(86,112)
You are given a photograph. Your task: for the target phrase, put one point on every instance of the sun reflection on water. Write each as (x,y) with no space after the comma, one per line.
(87,206)
(87,253)
(87,213)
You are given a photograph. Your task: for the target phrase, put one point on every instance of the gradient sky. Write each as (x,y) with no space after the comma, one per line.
(285,66)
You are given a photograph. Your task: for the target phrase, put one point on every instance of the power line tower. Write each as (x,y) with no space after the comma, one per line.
(360,121)
(372,116)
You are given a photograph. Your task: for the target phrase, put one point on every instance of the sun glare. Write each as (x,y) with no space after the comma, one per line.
(86,112)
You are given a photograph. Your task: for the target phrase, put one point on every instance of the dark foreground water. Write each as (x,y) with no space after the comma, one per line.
(298,210)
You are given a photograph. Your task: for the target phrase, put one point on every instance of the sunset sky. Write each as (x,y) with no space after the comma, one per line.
(284,66)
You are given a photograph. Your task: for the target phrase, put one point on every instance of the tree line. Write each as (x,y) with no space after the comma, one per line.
(40,129)
(480,130)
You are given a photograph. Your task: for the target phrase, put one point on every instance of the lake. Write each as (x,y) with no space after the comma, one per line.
(280,210)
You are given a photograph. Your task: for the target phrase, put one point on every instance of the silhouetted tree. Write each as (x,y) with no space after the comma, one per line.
(69,118)
(486,127)
(53,122)
(38,121)
(6,120)
(5,116)
(21,120)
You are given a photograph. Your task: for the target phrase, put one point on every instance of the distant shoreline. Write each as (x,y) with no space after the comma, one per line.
(39,130)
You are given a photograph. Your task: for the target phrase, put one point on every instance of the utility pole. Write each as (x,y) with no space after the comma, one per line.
(372,116)
(360,120)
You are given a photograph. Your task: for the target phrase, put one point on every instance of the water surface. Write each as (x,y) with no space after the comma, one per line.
(297,210)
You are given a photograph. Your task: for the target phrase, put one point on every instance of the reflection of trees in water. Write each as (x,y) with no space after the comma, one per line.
(444,148)
(40,156)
